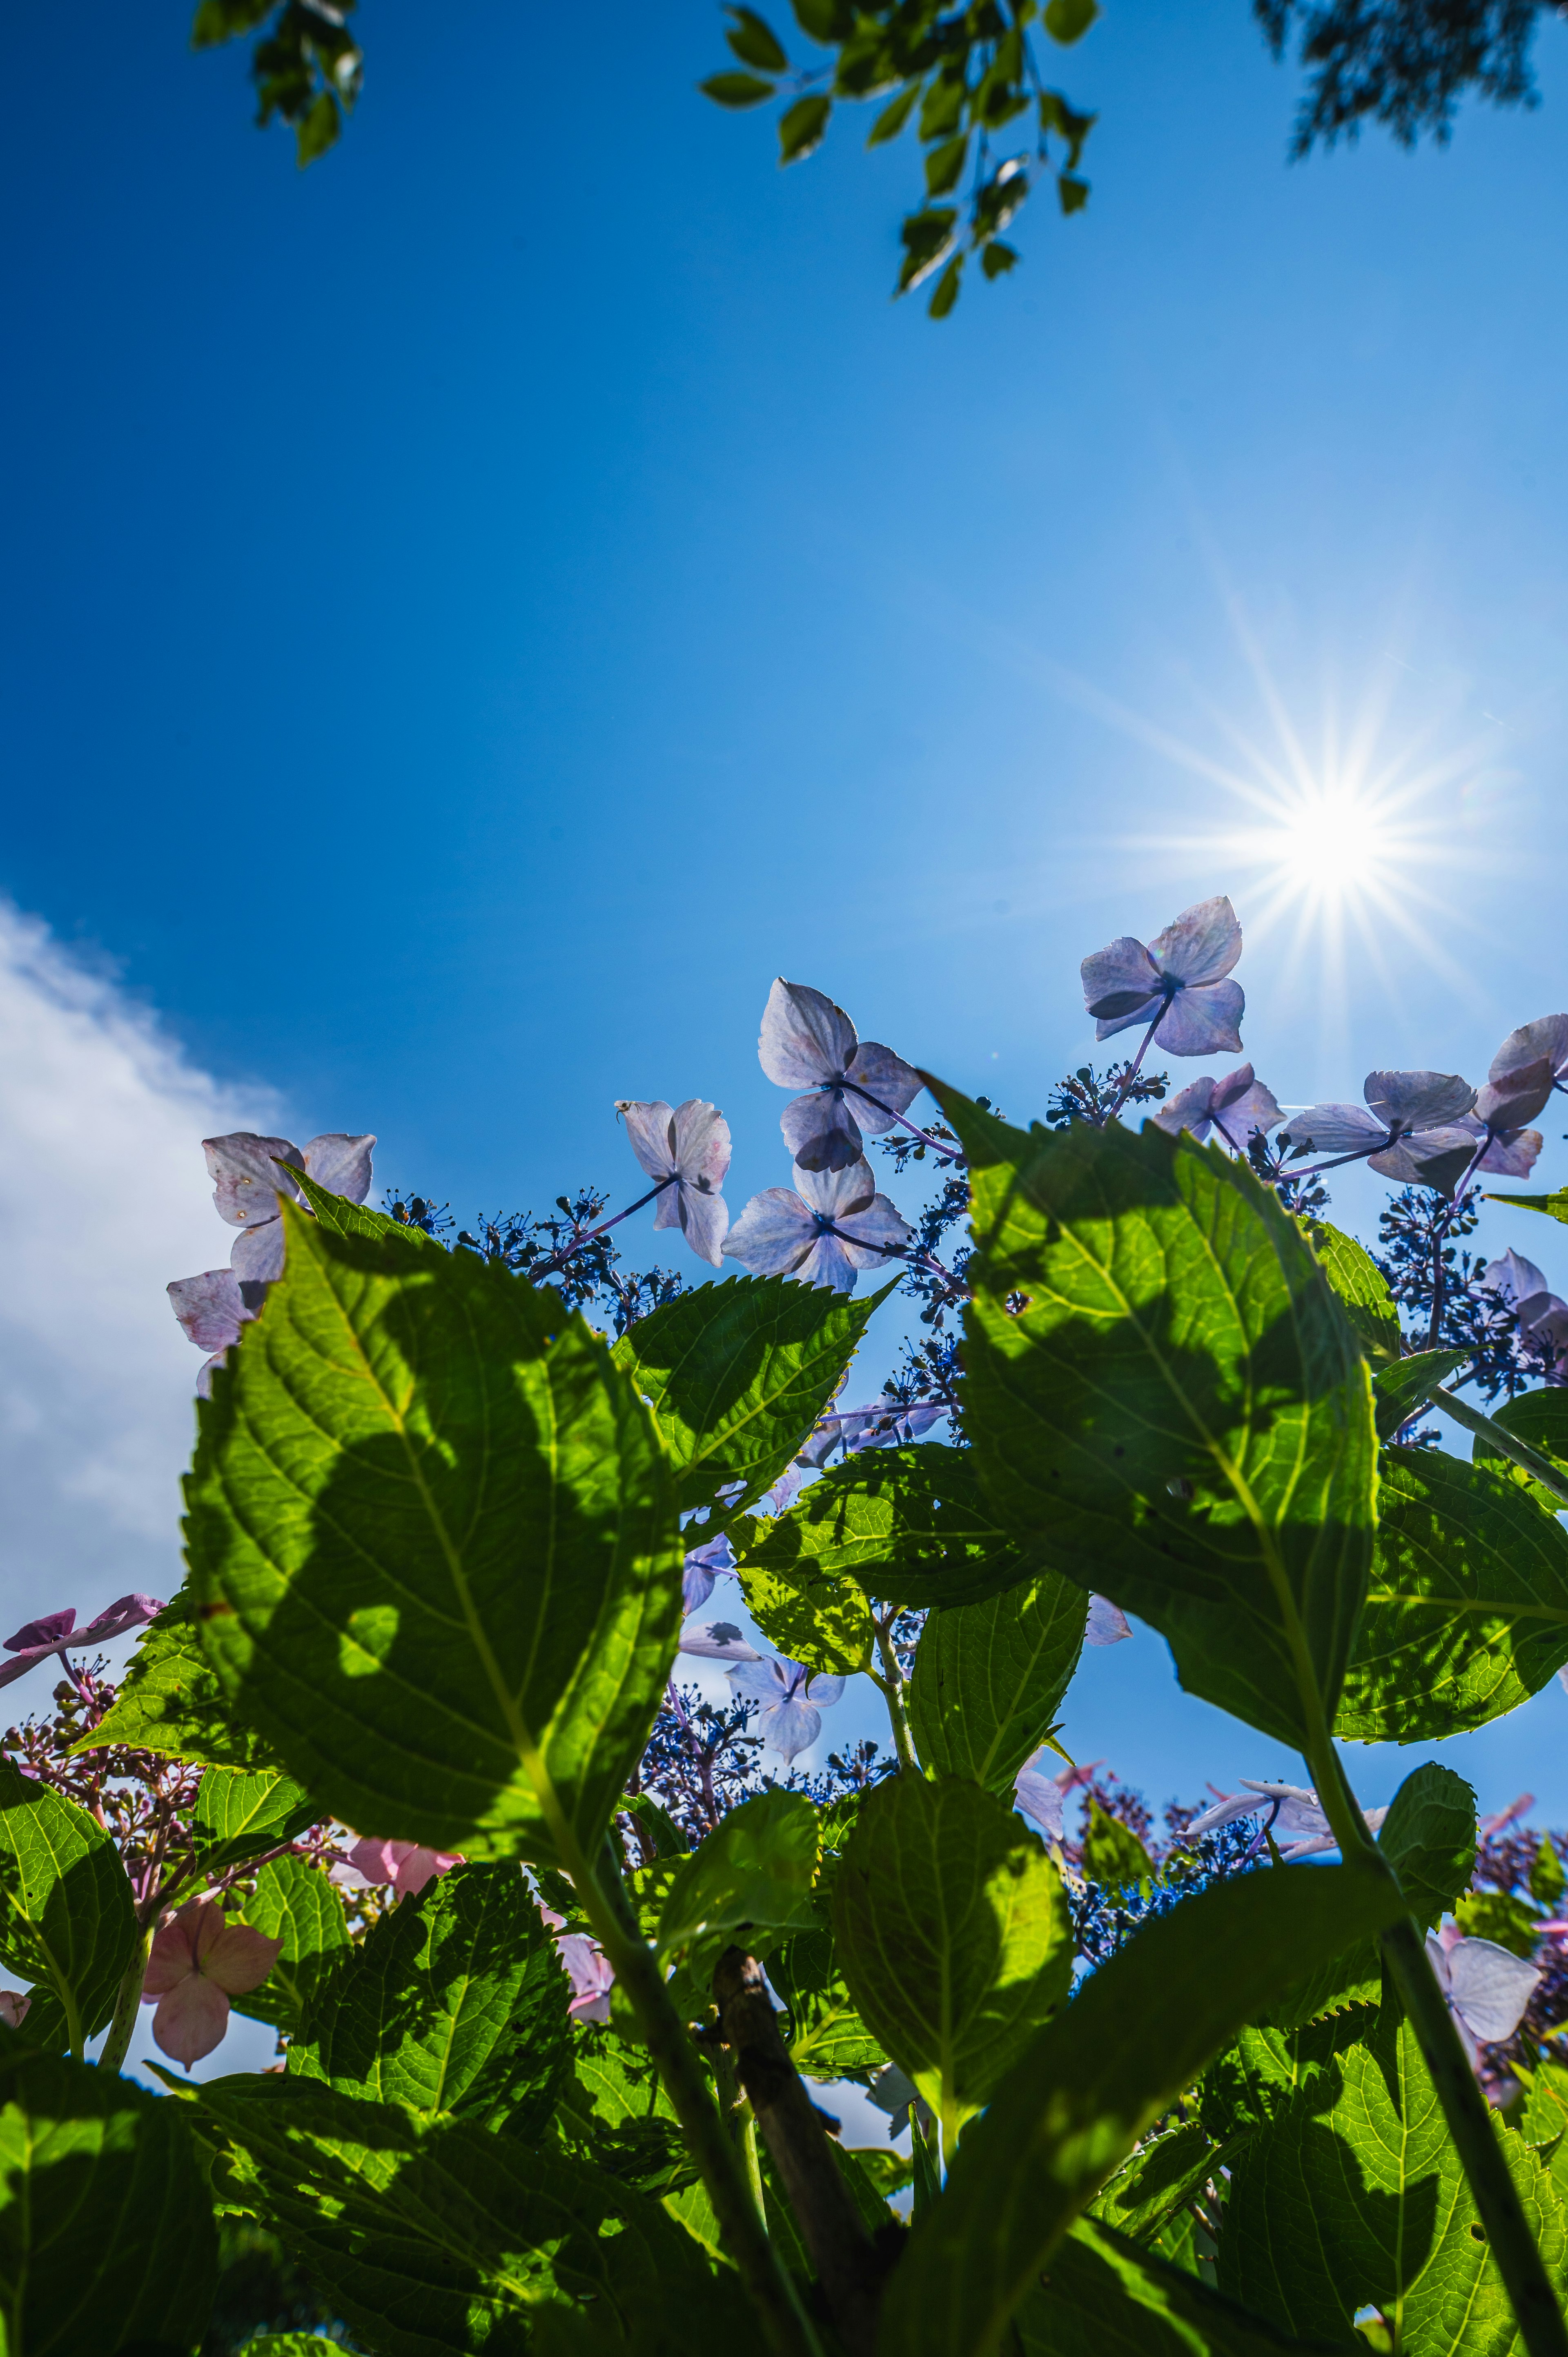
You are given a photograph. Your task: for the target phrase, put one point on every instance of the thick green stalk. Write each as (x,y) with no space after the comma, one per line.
(787,2330)
(1508,1444)
(1464,2108)
(891,1685)
(123,2019)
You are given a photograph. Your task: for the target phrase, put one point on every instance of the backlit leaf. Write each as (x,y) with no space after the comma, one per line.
(67,1919)
(171,1702)
(908,1523)
(990,1677)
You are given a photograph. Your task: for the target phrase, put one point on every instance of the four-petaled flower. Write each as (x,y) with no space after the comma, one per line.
(405,1865)
(1293,1812)
(833,1227)
(1238,1106)
(794,1699)
(856,1089)
(1487,1988)
(686,1148)
(1182,973)
(199,1960)
(1411,1128)
(36,1640)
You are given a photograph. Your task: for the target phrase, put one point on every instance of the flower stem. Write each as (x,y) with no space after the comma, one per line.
(891,1685)
(1130,1075)
(559,1259)
(123,2019)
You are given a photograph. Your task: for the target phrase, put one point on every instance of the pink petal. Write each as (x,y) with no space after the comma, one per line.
(239,1958)
(172,1956)
(14,2008)
(191,2020)
(419,1867)
(44,1633)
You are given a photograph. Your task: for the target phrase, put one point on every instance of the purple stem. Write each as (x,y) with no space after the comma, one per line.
(1130,1075)
(943,1152)
(559,1259)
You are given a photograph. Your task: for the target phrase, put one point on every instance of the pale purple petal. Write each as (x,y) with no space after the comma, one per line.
(340,1162)
(1243,1107)
(773,1234)
(1547,1036)
(761,1681)
(820,1442)
(205,1373)
(702,1149)
(783,1494)
(1513,1155)
(825,1690)
(886,1077)
(1428,1157)
(1516,1278)
(648,1125)
(1040,1797)
(1225,1813)
(1417,1099)
(835,1193)
(721,1641)
(1190,1108)
(805,1038)
(829,1263)
(209,1307)
(1107,1623)
(703,1220)
(822,1131)
(1510,1102)
(126,1612)
(244,1166)
(704,1564)
(1335,1129)
(1203,1020)
(258,1254)
(1201,946)
(865,1233)
(790,1727)
(41,1636)
(1119,983)
(1489,1988)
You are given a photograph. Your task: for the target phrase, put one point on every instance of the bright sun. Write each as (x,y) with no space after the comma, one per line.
(1332,844)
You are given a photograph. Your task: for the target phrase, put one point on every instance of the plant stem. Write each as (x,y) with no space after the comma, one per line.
(123,2019)
(1508,1444)
(753,2164)
(787,2330)
(891,1685)
(1464,2108)
(1130,1075)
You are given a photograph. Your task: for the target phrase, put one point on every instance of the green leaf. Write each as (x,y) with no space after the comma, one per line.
(944,165)
(1361,1288)
(1354,2196)
(615,2113)
(299,1905)
(737,1375)
(432,2237)
(990,1677)
(66,1919)
(827,2037)
(432,1536)
(894,115)
(1113,1855)
(455,2001)
(801,130)
(1429,1838)
(1067,20)
(754,42)
(1072,192)
(736,89)
(318,129)
(908,1523)
(106,2234)
(1547,1879)
(814,1617)
(1161,2176)
(170,1701)
(954,1935)
(1555,1206)
(946,292)
(1499,1916)
(1256,2081)
(996,257)
(1400,1392)
(1083,2092)
(926,237)
(754,1870)
(1056,115)
(1539,1419)
(240,1814)
(222,20)
(1105,2298)
(1467,1612)
(1181,1417)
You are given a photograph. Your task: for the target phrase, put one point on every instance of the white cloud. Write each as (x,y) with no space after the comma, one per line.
(103,1198)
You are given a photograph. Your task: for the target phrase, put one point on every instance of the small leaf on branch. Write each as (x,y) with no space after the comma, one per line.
(736,89)
(1067,20)
(754,42)
(802,127)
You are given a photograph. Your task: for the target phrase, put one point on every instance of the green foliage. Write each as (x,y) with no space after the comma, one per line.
(67,1921)
(423,1499)
(909,1525)
(1429,1838)
(1354,2196)
(753,1872)
(170,1701)
(297,1904)
(454,2002)
(106,2234)
(1401,1390)
(1547,1879)
(1257,2080)
(1540,1419)
(616,2114)
(826,2037)
(1466,1611)
(1112,1853)
(1075,2101)
(954,1935)
(1106,2297)
(1361,1288)
(990,1677)
(1159,2179)
(1499,1916)
(241,1814)
(737,1375)
(307,66)
(1180,1416)
(813,1615)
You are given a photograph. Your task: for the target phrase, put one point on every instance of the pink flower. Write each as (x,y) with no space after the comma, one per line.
(13,2007)
(199,1961)
(403,1864)
(591,1973)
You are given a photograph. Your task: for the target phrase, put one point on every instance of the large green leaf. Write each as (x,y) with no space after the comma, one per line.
(1401,1390)
(1363,1290)
(106,2232)
(953,1934)
(1096,2079)
(737,1375)
(295,1903)
(817,1617)
(243,1812)
(826,2036)
(755,1871)
(1542,1420)
(456,2001)
(1355,2195)
(615,2113)
(1267,2069)
(1178,1413)
(908,1523)
(1106,2297)
(1467,1612)
(432,2236)
(1159,2179)
(68,1921)
(990,1677)
(170,1701)
(1429,1838)
(433,1538)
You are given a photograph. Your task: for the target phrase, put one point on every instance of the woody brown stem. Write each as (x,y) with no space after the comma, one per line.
(848,2265)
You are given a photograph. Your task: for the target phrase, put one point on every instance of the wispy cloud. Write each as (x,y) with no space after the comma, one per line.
(103,1198)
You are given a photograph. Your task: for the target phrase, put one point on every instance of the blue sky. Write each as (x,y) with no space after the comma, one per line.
(477,611)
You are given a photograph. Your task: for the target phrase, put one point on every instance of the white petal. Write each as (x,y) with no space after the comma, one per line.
(836,1193)
(704,1219)
(702,1144)
(805,1038)
(1118,982)
(1202,944)
(1107,1623)
(1225,1813)
(828,1263)
(1040,1798)
(1489,1988)
(648,1123)
(244,1166)
(773,1234)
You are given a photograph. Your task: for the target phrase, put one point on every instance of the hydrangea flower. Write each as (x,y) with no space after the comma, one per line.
(825,1233)
(1238,1106)
(794,1699)
(717,1641)
(38,1641)
(1296,1819)
(1541,1314)
(1411,1121)
(888,1424)
(407,1866)
(1543,1041)
(1487,1988)
(704,1565)
(199,1960)
(855,1088)
(1107,1623)
(686,1148)
(588,1968)
(249,1187)
(14,2008)
(1177,983)
(1040,1795)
